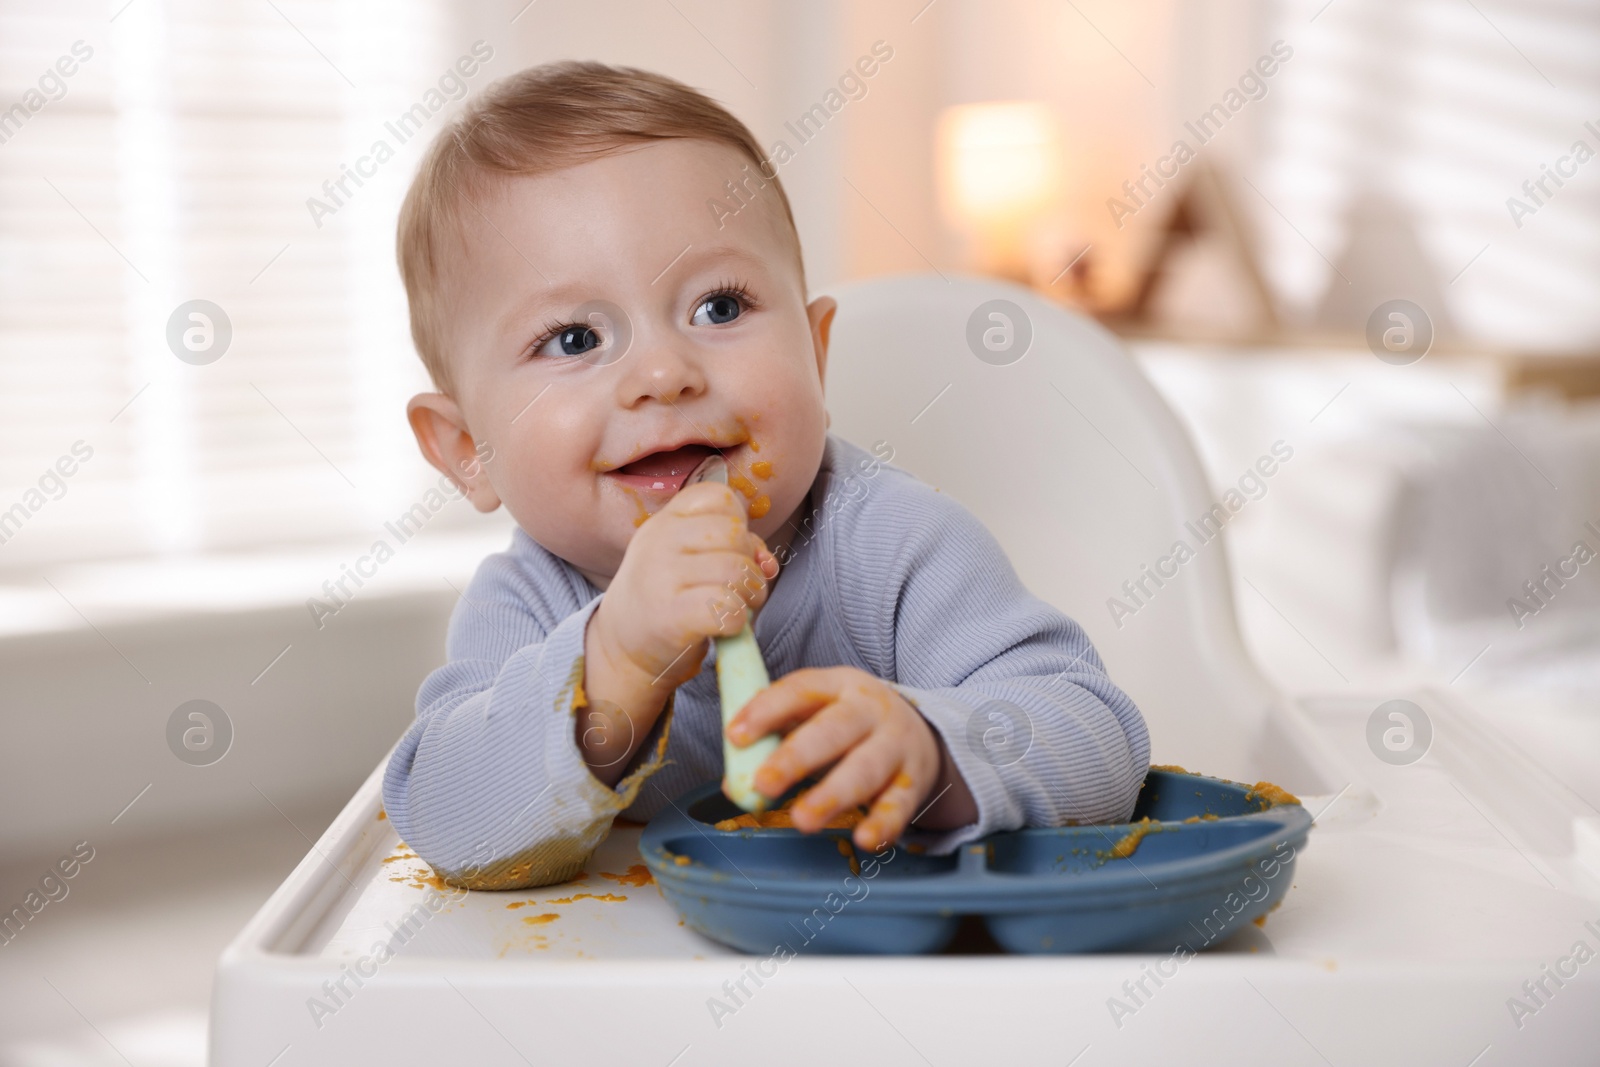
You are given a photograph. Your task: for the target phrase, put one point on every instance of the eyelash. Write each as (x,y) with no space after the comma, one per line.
(735,289)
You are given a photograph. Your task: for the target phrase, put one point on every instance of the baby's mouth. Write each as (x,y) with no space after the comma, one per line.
(663,472)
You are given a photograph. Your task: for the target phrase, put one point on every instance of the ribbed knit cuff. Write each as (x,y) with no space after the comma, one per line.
(953,721)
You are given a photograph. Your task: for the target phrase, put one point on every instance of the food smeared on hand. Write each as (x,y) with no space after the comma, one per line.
(884,754)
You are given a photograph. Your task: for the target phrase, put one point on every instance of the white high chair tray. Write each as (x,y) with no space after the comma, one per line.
(1417,911)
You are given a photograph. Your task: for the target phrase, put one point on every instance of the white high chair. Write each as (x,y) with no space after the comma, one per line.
(1426,896)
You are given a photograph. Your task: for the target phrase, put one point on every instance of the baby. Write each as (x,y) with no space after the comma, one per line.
(597,322)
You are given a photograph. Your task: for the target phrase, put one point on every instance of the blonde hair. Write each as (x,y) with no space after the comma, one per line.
(536,121)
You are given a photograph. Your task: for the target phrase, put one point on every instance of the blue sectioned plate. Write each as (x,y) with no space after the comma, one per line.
(1214,855)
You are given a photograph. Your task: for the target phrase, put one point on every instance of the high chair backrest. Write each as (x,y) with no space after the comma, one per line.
(1037,420)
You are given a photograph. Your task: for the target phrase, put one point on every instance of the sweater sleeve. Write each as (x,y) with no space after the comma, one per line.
(1012,686)
(488,785)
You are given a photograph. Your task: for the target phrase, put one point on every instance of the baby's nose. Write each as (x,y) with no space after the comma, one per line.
(661,371)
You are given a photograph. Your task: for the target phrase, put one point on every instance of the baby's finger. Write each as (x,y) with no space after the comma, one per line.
(856,779)
(764,557)
(709,533)
(820,740)
(706,498)
(889,816)
(714,573)
(795,696)
(711,611)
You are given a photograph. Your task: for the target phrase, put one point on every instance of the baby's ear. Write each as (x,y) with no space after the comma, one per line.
(820,313)
(445,441)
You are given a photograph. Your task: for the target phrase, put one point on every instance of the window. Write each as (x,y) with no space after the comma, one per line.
(1404,149)
(175,163)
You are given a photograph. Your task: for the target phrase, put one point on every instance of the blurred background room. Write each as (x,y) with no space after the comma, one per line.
(1368,230)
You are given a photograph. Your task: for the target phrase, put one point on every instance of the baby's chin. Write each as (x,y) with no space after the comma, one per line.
(594,547)
(597,558)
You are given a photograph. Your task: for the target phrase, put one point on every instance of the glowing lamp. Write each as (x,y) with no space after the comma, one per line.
(999,171)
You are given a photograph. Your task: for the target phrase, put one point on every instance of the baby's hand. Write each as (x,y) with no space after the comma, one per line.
(693,571)
(887,752)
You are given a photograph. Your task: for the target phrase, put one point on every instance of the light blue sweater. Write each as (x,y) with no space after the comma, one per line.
(888,575)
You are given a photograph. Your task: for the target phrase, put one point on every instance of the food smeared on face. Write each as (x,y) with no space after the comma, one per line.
(644,512)
(652,478)
(740,484)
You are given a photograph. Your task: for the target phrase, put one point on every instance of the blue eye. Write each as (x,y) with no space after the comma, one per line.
(717,309)
(570,341)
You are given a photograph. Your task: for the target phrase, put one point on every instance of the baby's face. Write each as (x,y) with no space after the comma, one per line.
(703,342)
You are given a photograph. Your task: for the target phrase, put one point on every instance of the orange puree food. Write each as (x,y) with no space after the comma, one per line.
(1129,842)
(1272,794)
(780,818)
(638,875)
(849,853)
(761,469)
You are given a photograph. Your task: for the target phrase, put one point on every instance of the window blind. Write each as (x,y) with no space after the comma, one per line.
(174,164)
(1397,157)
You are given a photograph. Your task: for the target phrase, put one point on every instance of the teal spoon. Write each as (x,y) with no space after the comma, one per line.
(741,674)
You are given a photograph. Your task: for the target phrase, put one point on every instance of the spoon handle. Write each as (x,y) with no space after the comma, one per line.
(741,674)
